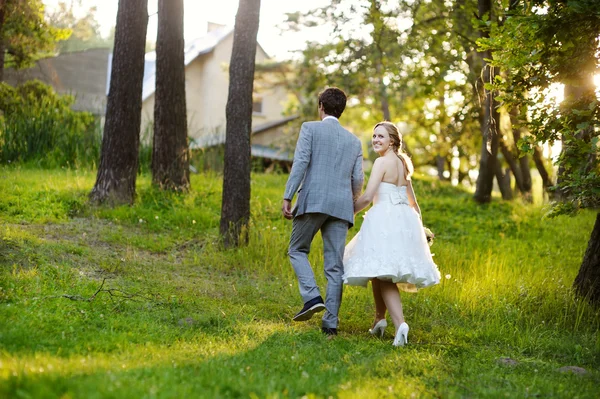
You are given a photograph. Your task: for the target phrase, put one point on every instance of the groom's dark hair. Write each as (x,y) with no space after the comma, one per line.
(333,100)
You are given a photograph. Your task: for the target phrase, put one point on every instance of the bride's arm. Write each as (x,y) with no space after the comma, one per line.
(412,199)
(376,177)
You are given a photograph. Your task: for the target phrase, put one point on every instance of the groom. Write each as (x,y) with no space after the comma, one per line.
(327,173)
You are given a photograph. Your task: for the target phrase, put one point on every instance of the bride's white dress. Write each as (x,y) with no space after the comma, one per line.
(391,244)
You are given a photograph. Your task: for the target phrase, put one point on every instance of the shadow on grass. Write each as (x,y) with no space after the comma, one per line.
(296,364)
(285,364)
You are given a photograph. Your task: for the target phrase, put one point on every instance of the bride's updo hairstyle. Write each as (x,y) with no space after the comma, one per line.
(396,139)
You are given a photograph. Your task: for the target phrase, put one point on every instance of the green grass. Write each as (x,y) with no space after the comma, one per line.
(180,317)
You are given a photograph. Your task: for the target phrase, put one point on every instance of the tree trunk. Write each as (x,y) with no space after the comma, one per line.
(115,182)
(587,282)
(235,208)
(383,97)
(512,163)
(489,151)
(489,128)
(170,160)
(503,179)
(2,44)
(539,164)
(440,163)
(523,160)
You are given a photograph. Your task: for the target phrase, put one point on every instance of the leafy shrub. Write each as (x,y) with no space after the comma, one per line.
(37,125)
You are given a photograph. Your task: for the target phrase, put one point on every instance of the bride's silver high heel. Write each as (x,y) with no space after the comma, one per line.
(401,335)
(378,328)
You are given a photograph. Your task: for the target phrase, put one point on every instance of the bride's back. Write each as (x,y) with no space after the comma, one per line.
(394,170)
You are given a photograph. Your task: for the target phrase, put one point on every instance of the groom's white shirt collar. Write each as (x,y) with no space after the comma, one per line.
(330,117)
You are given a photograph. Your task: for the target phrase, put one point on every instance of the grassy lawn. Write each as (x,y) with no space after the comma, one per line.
(140,301)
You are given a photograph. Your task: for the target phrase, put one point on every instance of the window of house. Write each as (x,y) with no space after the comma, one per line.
(257,106)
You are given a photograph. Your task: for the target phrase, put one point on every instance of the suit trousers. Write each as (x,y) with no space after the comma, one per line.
(333,232)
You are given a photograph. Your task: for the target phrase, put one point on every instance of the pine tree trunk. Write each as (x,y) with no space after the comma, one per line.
(489,128)
(587,282)
(170,159)
(235,208)
(115,182)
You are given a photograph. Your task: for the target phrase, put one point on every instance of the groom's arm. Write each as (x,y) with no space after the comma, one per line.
(357,176)
(302,156)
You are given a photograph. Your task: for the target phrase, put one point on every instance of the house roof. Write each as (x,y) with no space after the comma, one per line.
(197,47)
(278,154)
(80,73)
(273,124)
(218,137)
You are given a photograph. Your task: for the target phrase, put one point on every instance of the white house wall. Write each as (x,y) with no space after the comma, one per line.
(207,86)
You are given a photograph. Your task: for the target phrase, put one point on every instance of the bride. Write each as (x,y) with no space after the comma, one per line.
(390,249)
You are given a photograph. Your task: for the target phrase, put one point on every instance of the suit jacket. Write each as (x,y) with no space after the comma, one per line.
(327,170)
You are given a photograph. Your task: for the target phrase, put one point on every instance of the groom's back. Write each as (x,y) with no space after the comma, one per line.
(334,149)
(329,177)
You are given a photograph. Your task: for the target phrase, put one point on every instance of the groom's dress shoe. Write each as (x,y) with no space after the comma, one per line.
(311,307)
(329,331)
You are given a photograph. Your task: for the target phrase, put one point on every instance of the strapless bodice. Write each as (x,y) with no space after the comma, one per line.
(391,193)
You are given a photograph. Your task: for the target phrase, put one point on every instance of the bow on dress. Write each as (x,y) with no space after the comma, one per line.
(397,198)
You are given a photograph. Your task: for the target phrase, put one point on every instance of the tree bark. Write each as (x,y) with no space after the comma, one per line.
(3,5)
(539,164)
(503,179)
(524,164)
(512,163)
(489,128)
(235,208)
(115,182)
(587,282)
(170,155)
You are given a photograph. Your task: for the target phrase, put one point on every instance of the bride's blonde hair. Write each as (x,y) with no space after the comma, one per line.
(396,139)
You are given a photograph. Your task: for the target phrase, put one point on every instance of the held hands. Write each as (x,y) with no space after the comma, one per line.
(286,209)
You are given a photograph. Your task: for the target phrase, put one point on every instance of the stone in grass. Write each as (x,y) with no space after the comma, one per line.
(186,322)
(573,369)
(507,361)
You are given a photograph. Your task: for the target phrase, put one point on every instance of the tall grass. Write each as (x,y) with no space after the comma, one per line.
(37,126)
(187,318)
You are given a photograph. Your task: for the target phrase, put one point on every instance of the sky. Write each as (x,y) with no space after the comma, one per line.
(199,12)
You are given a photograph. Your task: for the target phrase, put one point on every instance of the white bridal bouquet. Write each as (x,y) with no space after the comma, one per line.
(429,234)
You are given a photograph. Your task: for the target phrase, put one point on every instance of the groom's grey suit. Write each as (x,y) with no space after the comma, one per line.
(327,173)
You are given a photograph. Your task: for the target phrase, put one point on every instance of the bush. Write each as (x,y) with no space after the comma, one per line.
(37,125)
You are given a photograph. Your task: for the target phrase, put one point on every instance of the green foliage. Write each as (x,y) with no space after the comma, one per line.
(25,34)
(38,126)
(179,317)
(414,56)
(81,22)
(546,42)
